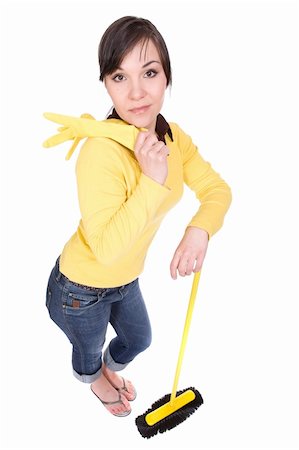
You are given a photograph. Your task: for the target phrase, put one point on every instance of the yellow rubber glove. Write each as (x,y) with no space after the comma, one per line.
(86,126)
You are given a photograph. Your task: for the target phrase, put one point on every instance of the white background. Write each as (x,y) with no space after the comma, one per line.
(235,91)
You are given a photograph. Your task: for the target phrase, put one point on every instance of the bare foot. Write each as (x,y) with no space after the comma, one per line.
(118,382)
(107,393)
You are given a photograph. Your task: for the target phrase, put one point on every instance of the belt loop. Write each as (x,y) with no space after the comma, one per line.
(102,293)
(58,273)
(120,290)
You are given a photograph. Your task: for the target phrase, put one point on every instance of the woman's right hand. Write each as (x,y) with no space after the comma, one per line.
(152,156)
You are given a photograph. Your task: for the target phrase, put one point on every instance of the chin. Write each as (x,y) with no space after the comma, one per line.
(145,120)
(136,123)
(142,123)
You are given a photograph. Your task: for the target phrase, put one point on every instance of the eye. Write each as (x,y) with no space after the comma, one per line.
(118,77)
(150,73)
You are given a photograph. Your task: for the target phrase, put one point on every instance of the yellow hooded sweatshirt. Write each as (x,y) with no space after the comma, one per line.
(122,208)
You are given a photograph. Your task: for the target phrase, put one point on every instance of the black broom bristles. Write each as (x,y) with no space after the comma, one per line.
(171,421)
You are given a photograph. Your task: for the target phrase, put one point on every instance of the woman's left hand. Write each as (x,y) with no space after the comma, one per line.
(191,249)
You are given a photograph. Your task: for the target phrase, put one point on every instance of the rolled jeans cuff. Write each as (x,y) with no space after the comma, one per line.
(110,363)
(87,378)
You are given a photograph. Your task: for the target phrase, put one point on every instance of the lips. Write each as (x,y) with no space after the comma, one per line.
(140,109)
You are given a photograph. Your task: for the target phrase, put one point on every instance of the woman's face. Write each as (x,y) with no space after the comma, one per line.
(137,88)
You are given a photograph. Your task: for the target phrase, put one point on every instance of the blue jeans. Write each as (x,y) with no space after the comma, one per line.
(83,314)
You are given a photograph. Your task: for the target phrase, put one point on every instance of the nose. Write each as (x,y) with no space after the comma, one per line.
(136,91)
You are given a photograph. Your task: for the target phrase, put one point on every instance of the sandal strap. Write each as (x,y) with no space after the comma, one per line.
(110,403)
(124,387)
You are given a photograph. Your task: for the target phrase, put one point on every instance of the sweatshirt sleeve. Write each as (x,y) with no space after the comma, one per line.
(113,221)
(211,190)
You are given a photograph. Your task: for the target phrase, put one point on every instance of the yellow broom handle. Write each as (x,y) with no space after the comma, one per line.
(185,334)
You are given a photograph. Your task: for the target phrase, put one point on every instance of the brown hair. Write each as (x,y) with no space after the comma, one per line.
(122,36)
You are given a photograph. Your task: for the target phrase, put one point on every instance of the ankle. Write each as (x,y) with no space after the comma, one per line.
(107,371)
(99,381)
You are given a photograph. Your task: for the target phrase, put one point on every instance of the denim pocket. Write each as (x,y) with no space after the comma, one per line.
(76,303)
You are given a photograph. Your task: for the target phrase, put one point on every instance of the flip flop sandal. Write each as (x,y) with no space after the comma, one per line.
(124,388)
(119,401)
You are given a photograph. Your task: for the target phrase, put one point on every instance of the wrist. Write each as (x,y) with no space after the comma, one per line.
(199,231)
(159,180)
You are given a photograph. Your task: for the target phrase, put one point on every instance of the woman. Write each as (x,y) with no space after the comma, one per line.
(127,181)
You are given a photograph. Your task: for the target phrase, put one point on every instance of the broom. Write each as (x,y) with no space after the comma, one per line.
(174,408)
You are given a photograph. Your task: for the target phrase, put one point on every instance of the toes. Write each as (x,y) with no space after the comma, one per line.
(131,390)
(126,404)
(121,407)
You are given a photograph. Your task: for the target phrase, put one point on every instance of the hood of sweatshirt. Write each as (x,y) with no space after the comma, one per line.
(77,128)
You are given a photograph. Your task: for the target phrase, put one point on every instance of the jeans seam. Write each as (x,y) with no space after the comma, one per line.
(120,328)
(73,335)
